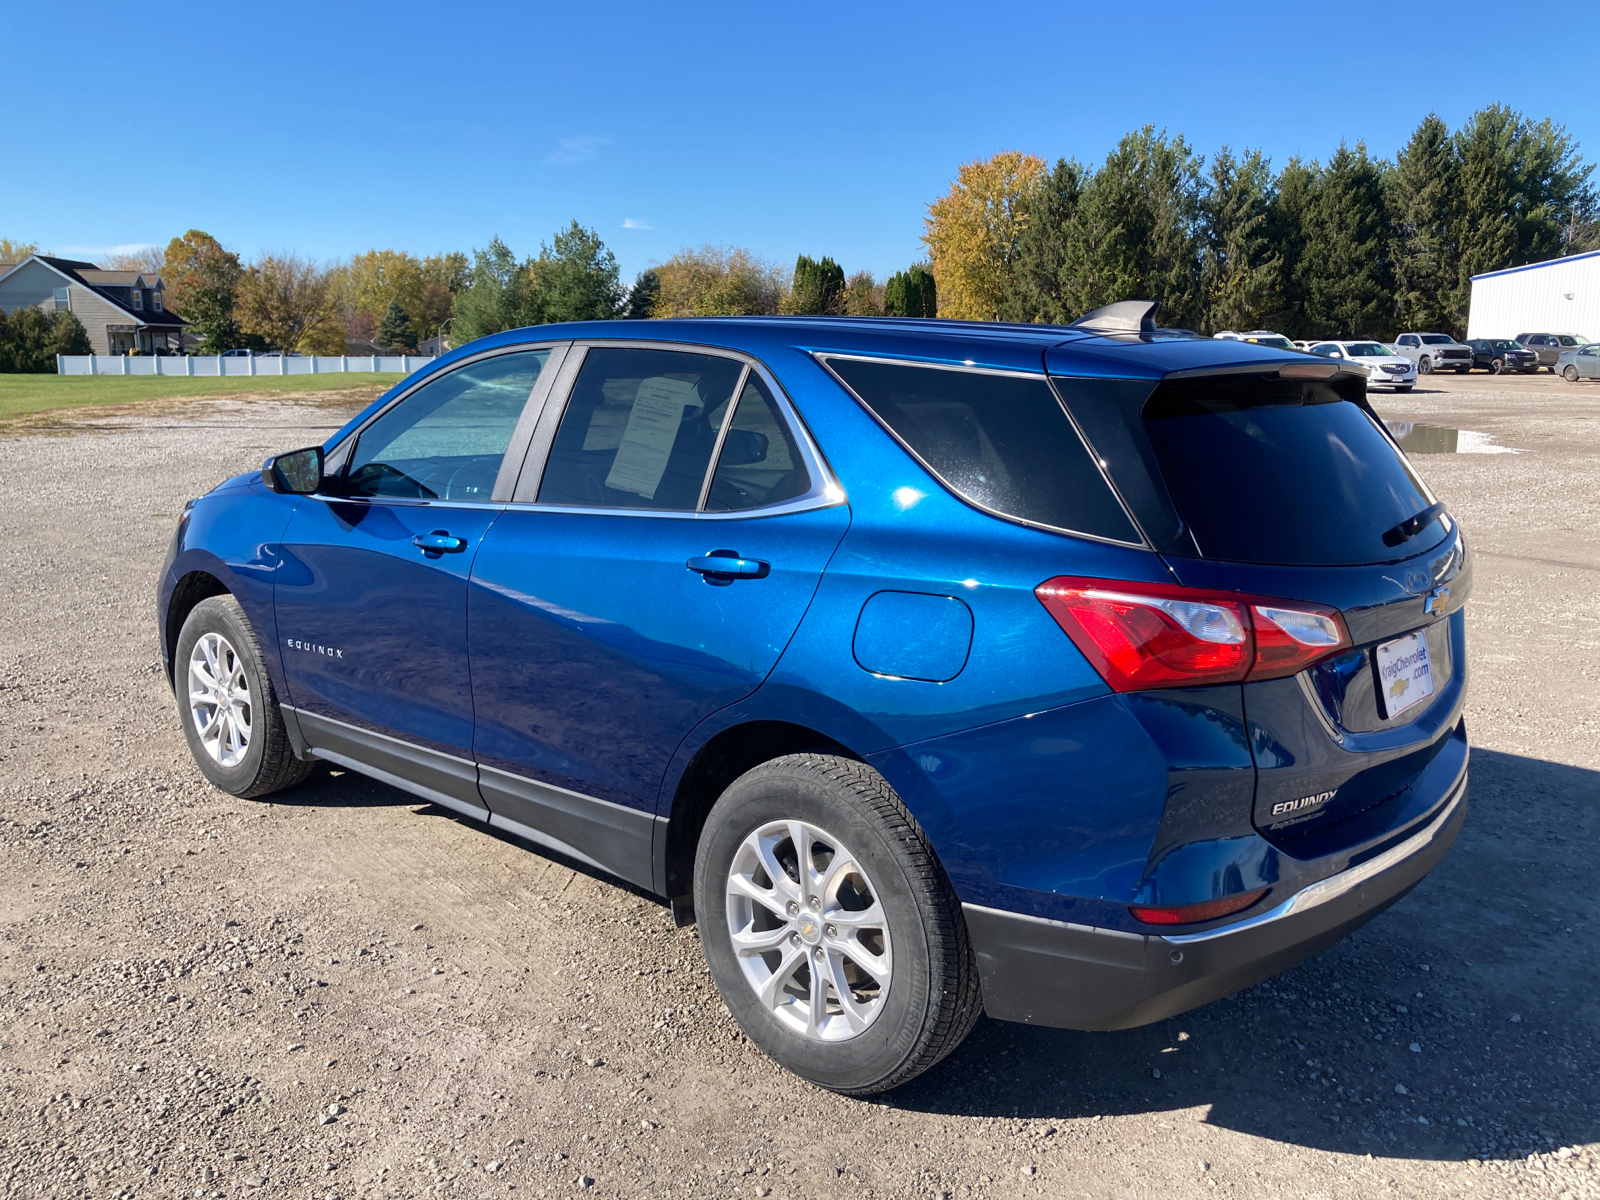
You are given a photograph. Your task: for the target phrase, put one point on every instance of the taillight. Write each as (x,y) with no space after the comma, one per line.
(1151,635)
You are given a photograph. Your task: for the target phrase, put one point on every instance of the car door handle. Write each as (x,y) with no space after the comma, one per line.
(724,566)
(439,541)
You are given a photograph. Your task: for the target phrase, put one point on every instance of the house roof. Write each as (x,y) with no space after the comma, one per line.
(87,274)
(99,278)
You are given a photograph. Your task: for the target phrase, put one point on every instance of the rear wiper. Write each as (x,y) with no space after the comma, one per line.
(1411,526)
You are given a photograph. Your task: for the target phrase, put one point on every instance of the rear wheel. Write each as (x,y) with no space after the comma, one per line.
(230,713)
(829,926)
(1570,374)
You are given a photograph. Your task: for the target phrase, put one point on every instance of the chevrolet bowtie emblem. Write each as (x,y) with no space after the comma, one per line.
(1435,599)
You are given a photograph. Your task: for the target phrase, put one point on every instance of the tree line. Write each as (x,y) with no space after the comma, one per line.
(1355,246)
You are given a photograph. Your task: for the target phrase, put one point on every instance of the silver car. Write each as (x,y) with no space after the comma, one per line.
(1434,352)
(1579,362)
(1551,346)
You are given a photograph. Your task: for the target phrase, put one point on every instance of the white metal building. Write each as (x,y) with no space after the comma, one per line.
(1559,296)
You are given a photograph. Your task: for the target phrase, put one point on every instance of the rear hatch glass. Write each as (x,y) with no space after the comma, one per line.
(1285,471)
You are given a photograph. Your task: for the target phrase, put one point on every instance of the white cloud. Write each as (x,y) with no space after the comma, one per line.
(101,251)
(576,150)
(635,223)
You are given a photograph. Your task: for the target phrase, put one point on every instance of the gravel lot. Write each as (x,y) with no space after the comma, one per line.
(345,993)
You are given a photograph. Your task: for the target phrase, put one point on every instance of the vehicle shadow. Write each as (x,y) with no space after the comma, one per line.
(1459,1023)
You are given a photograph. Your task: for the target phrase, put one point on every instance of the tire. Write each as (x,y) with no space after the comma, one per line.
(892,1033)
(252,755)
(1570,374)
(1496,367)
(1425,366)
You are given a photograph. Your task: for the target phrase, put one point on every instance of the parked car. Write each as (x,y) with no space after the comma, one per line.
(1081,675)
(1549,346)
(1384,367)
(1497,355)
(1261,337)
(1579,362)
(238,354)
(1434,352)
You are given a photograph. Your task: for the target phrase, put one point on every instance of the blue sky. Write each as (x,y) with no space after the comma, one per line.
(822,128)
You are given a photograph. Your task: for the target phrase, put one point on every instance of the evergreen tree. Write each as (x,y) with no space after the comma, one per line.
(576,278)
(1241,272)
(494,298)
(30,339)
(1286,231)
(1422,198)
(818,288)
(911,293)
(1344,270)
(1038,269)
(395,331)
(1136,233)
(642,296)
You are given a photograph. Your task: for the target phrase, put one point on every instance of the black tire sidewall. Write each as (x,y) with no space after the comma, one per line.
(896,1035)
(220,615)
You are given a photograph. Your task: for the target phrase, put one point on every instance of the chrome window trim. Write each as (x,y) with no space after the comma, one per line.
(823,358)
(825,491)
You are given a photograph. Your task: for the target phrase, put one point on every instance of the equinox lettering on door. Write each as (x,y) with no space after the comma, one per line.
(313,648)
(1289,806)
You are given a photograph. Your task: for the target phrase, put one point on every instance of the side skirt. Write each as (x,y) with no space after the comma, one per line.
(609,837)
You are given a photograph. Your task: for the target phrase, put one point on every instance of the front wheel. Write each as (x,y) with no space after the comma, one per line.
(1570,374)
(1496,367)
(230,713)
(829,926)
(1425,366)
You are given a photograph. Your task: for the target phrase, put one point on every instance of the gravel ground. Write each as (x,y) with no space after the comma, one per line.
(344,993)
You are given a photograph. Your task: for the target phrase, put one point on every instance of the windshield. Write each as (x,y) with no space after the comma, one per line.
(1367,350)
(1436,339)
(1503,344)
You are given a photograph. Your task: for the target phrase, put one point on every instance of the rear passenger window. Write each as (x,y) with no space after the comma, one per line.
(639,430)
(1002,442)
(760,463)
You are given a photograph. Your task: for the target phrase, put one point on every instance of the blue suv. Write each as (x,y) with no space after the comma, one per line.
(1078,675)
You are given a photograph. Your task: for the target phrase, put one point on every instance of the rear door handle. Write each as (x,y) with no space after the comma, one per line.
(724,566)
(440,541)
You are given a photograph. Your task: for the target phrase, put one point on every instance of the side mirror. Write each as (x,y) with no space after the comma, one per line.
(743,446)
(296,473)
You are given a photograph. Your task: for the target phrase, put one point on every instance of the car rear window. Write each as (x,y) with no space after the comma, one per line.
(1002,442)
(1283,471)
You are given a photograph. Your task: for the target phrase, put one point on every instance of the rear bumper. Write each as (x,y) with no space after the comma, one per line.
(1044,972)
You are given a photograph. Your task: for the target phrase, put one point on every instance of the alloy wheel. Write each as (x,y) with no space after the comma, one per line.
(220,703)
(1425,367)
(809,932)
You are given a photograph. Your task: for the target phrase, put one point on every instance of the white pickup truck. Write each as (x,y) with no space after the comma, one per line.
(1434,352)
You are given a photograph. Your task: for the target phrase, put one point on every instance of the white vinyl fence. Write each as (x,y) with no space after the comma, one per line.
(128,364)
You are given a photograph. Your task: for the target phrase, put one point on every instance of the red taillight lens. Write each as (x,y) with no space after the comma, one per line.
(1193,914)
(1151,635)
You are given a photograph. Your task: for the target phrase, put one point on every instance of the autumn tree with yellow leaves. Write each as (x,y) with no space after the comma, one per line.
(972,232)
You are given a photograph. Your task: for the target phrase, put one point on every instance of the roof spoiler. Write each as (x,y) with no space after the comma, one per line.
(1125,316)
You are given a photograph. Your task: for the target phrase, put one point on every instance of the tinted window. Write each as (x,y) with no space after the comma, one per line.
(639,430)
(445,441)
(1327,351)
(1367,350)
(1568,340)
(1280,471)
(1003,442)
(760,463)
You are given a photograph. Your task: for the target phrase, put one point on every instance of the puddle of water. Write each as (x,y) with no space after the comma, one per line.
(1417,438)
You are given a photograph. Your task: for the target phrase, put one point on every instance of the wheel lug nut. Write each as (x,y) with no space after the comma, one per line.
(794,939)
(817,953)
(833,931)
(794,909)
(816,905)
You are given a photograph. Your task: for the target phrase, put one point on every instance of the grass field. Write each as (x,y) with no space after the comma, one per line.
(23,395)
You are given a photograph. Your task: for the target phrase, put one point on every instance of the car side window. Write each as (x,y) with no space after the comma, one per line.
(639,430)
(760,463)
(1568,340)
(1326,351)
(1408,340)
(446,440)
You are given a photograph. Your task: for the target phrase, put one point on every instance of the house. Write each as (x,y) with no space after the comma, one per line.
(123,311)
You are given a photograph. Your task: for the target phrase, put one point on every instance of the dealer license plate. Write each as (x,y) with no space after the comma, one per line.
(1405,677)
